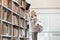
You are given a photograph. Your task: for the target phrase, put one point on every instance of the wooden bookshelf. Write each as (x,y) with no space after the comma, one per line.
(12,20)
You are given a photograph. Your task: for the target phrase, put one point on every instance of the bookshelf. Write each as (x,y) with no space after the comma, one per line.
(12,20)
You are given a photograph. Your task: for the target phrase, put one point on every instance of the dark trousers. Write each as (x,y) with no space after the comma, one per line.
(34,35)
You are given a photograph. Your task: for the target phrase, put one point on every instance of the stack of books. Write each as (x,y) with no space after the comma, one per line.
(15,20)
(5,29)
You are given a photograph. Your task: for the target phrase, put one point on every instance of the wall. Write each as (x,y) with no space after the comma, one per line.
(44,3)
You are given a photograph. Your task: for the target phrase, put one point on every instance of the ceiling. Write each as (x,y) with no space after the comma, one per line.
(44,3)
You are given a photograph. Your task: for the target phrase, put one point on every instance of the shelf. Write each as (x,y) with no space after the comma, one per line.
(21,23)
(6,22)
(7,15)
(22,13)
(7,8)
(16,13)
(22,18)
(6,36)
(22,8)
(6,29)
(15,25)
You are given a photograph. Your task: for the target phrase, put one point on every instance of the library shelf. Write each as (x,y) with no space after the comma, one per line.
(12,19)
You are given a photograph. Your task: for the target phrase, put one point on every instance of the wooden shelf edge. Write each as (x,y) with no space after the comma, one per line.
(6,21)
(7,8)
(16,2)
(15,13)
(6,36)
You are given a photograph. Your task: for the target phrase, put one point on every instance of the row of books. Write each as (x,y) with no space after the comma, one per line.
(21,13)
(5,29)
(15,32)
(21,23)
(4,15)
(15,20)
(15,7)
(22,3)
(8,3)
(22,33)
